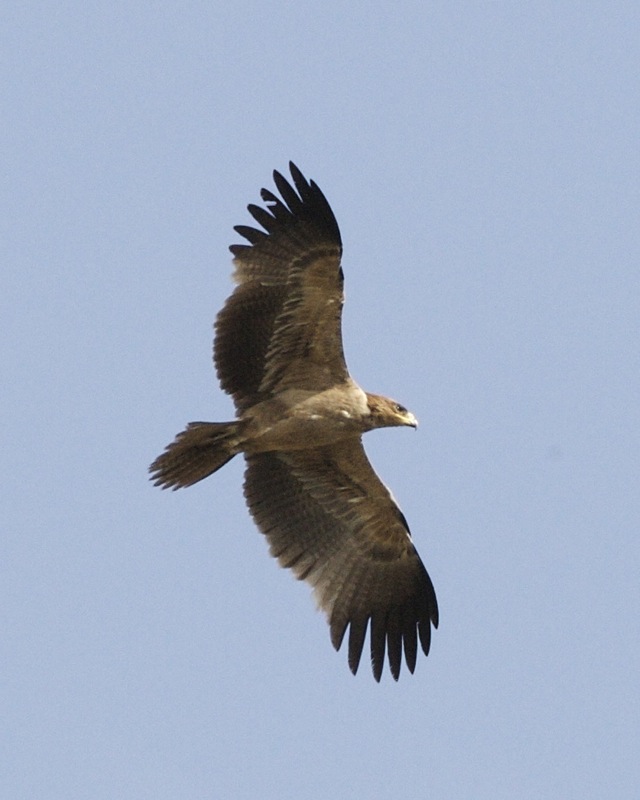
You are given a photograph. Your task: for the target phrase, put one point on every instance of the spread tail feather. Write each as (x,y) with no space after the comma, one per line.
(197,452)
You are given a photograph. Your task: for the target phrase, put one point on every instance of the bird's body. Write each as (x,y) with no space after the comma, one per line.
(308,484)
(327,417)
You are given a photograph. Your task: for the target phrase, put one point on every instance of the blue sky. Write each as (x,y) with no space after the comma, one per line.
(482,160)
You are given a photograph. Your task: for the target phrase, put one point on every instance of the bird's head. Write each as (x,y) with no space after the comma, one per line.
(387,413)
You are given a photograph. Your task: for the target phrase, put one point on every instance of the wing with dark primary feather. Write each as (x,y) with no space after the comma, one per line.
(328,517)
(281,327)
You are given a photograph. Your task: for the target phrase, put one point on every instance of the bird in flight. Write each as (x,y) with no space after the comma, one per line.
(300,419)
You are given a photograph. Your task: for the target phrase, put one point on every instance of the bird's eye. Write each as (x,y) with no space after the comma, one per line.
(400,409)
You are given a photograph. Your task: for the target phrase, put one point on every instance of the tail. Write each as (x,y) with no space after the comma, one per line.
(197,452)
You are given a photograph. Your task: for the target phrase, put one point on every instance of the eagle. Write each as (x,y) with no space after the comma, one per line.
(309,485)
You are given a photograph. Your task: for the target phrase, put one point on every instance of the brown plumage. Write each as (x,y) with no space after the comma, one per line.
(308,484)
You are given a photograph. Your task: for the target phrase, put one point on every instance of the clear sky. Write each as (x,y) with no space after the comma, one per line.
(483,162)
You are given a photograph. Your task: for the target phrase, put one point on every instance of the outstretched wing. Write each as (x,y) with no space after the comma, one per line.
(328,517)
(281,327)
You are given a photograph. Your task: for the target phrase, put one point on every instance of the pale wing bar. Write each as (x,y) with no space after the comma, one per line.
(271,322)
(354,551)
